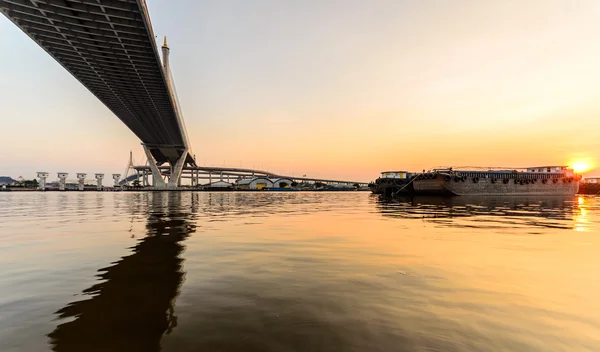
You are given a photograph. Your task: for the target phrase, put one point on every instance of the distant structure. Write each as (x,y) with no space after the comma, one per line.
(62,180)
(254,183)
(258,183)
(81,178)
(42,176)
(99,178)
(5,180)
(219,186)
(116,178)
(129,171)
(594,179)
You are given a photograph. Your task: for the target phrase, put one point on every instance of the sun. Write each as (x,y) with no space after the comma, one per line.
(580,166)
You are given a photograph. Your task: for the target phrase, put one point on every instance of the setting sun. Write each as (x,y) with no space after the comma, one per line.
(580,166)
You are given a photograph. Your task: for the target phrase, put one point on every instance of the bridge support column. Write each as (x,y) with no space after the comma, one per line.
(145,178)
(193,177)
(157,180)
(176,171)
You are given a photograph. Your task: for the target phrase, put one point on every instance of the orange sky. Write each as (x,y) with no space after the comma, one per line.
(334,89)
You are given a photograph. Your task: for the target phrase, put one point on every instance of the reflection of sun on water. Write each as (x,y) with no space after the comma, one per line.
(581,220)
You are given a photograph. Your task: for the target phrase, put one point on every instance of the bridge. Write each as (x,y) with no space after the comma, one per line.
(109,46)
(229,174)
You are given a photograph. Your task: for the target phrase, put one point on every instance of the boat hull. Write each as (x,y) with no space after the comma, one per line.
(589,188)
(390,186)
(486,186)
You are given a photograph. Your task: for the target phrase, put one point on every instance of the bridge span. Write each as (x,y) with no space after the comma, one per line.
(109,46)
(197,174)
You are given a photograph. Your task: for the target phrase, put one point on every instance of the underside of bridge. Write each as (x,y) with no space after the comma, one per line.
(109,46)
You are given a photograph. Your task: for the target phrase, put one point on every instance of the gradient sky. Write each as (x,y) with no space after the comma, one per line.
(338,89)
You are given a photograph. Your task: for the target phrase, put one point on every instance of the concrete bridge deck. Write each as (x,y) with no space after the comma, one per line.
(109,46)
(208,173)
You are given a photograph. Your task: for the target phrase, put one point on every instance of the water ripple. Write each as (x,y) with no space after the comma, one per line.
(302,271)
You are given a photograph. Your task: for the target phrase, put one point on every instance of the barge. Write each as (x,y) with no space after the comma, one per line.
(392,182)
(544,181)
(590,185)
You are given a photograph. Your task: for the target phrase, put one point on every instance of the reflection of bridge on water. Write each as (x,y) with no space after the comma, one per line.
(133,306)
(109,46)
(538,211)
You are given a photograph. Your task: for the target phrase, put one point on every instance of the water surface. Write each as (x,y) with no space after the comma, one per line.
(297,272)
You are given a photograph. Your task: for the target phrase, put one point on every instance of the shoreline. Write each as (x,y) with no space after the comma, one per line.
(181,190)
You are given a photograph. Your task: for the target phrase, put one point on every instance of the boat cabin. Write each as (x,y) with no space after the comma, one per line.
(395,174)
(595,179)
(547,169)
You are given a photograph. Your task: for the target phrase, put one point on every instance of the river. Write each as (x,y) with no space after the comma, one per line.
(297,271)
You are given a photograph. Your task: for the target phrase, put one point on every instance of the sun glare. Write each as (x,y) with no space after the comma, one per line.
(580,166)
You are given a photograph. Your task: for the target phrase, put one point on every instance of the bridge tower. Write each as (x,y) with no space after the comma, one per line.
(129,170)
(116,57)
(178,156)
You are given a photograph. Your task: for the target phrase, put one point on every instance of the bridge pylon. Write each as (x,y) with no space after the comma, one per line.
(176,156)
(116,57)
